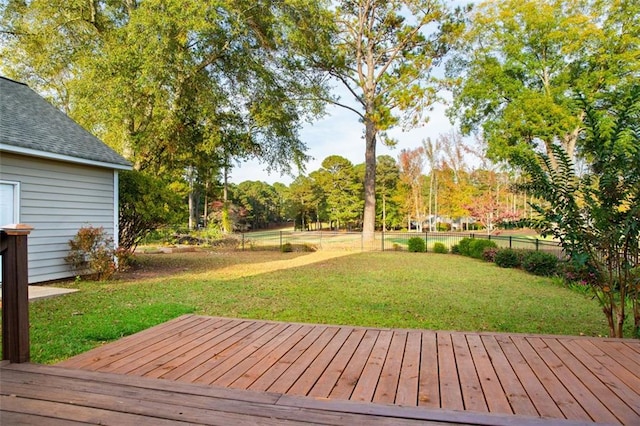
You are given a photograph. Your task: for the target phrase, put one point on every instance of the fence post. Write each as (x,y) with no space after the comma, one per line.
(280,240)
(243,241)
(510,237)
(426,241)
(15,293)
(382,242)
(537,244)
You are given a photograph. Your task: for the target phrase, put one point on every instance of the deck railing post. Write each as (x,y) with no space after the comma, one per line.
(15,293)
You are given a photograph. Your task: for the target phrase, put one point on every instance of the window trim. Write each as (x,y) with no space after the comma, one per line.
(16,198)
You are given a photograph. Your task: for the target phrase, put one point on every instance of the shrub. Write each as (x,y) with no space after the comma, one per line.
(455,249)
(286,248)
(507,258)
(440,248)
(145,204)
(463,246)
(540,263)
(91,251)
(582,274)
(126,259)
(489,254)
(477,246)
(417,245)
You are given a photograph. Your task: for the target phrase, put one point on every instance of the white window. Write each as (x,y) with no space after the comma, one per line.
(9,202)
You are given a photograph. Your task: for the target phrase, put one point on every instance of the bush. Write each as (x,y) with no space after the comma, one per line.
(286,248)
(91,251)
(146,204)
(581,274)
(489,254)
(455,249)
(440,248)
(463,246)
(540,263)
(477,246)
(417,245)
(507,258)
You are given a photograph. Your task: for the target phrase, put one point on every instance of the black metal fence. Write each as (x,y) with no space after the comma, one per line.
(383,241)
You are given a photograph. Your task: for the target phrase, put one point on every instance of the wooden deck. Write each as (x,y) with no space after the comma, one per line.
(33,394)
(499,375)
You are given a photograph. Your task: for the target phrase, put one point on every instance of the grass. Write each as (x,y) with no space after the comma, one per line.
(390,289)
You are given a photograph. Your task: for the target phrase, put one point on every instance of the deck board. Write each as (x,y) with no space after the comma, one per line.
(518,376)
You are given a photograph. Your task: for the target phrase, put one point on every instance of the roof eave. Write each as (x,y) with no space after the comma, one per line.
(61,157)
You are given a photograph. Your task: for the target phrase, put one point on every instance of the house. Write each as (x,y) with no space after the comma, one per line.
(54,176)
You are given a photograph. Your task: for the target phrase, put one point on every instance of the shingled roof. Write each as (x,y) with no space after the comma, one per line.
(32,126)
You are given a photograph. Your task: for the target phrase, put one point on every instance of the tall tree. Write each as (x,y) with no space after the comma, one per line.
(523,60)
(384,53)
(432,152)
(167,83)
(304,200)
(342,190)
(387,177)
(411,162)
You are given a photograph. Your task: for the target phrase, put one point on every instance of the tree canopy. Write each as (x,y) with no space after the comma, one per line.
(383,54)
(171,84)
(521,63)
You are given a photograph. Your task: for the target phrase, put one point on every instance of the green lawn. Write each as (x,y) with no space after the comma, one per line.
(391,289)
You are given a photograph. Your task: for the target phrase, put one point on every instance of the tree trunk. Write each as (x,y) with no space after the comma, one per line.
(384,214)
(226,226)
(369,218)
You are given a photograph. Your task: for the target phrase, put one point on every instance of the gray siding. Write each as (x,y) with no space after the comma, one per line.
(57,199)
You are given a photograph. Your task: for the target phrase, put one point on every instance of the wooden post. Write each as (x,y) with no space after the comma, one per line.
(15,293)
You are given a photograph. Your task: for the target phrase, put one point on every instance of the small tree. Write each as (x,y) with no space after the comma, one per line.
(596,217)
(145,204)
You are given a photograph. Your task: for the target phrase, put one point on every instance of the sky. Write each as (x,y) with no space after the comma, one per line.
(341,133)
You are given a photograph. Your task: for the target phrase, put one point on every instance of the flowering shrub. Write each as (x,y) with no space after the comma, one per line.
(489,254)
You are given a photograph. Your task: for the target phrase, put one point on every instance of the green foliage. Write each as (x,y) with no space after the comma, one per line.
(286,248)
(91,251)
(540,263)
(440,248)
(416,245)
(384,53)
(508,258)
(455,249)
(181,89)
(145,205)
(464,246)
(521,61)
(478,245)
(342,191)
(596,216)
